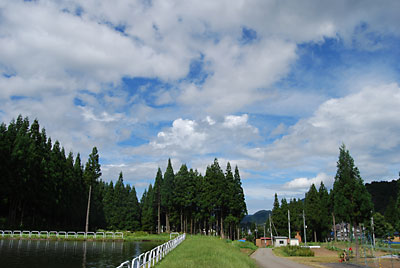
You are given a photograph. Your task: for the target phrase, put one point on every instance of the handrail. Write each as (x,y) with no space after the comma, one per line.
(153,256)
(57,234)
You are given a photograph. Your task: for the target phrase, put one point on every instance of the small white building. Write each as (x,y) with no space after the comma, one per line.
(280,241)
(294,242)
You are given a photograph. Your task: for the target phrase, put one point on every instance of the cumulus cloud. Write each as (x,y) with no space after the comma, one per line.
(206,136)
(305,183)
(66,61)
(364,121)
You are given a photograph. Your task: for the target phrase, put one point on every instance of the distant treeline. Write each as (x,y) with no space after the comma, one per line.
(41,188)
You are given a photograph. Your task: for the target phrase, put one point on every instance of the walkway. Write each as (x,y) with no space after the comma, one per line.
(266,259)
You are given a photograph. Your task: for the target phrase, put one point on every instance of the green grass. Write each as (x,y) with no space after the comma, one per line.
(204,251)
(290,251)
(128,236)
(144,236)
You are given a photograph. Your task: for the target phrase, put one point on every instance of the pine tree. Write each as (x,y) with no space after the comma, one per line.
(324,212)
(312,210)
(133,222)
(167,196)
(352,202)
(146,203)
(157,197)
(277,217)
(181,180)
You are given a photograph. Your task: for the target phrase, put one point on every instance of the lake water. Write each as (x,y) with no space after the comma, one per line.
(68,254)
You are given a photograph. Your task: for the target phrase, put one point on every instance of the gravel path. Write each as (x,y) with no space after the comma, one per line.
(266,259)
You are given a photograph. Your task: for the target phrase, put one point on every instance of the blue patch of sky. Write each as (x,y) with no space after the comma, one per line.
(8,75)
(17,98)
(79,102)
(324,65)
(248,36)
(197,73)
(141,133)
(133,141)
(120,28)
(207,34)
(146,89)
(78,11)
(266,123)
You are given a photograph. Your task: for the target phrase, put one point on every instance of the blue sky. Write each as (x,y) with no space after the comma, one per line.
(274,87)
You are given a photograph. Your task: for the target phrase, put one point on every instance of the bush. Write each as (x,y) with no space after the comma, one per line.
(298,251)
(246,244)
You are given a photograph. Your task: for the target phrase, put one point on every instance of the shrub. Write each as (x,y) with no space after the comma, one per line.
(298,251)
(246,244)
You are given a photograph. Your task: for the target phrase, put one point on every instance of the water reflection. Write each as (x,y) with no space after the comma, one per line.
(46,253)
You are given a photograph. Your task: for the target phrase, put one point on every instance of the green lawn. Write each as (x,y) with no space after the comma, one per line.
(204,251)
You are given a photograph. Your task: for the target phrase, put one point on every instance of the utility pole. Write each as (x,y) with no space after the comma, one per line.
(334,225)
(288,215)
(304,223)
(264,229)
(270,227)
(373,232)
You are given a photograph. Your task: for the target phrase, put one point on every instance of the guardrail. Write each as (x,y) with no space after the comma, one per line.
(150,258)
(48,234)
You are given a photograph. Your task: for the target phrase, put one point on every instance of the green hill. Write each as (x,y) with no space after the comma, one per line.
(381,191)
(259,217)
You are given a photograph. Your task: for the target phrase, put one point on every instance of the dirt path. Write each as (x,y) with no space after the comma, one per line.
(266,259)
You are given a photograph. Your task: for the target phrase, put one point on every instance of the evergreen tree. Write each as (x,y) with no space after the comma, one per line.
(238,207)
(312,210)
(352,202)
(147,210)
(167,193)
(157,197)
(296,220)
(133,217)
(324,224)
(181,191)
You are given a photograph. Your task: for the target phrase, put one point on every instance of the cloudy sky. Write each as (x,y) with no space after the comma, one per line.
(274,87)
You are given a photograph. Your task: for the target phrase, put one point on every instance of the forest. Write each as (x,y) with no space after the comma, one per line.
(350,201)
(42,188)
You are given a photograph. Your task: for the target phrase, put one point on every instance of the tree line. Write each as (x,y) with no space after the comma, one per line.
(348,202)
(43,188)
(192,203)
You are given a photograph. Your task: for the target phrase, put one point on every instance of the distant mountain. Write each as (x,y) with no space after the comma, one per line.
(259,217)
(381,191)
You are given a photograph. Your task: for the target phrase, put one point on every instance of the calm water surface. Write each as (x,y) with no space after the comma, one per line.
(71,254)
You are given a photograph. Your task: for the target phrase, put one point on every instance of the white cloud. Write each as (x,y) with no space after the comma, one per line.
(187,137)
(365,121)
(182,134)
(305,183)
(232,121)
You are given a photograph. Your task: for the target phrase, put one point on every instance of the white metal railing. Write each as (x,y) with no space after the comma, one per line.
(170,235)
(57,234)
(150,258)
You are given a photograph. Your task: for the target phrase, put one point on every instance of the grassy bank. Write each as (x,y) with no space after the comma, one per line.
(128,236)
(203,251)
(144,236)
